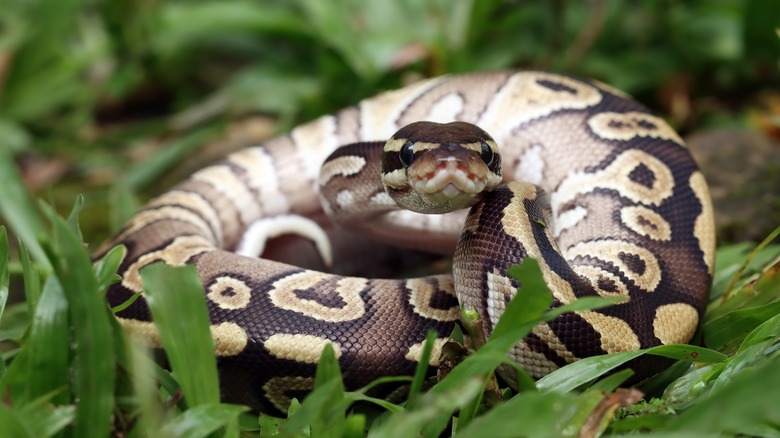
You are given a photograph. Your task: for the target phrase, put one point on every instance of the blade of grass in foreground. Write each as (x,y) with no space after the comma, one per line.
(18,208)
(590,368)
(94,359)
(201,421)
(751,401)
(177,302)
(43,364)
(527,414)
(323,409)
(5,278)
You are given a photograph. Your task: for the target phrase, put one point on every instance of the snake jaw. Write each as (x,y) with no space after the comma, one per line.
(450,179)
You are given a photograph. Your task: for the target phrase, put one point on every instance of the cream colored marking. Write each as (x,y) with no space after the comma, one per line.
(226,182)
(230,338)
(522,99)
(192,201)
(379,115)
(176,254)
(548,336)
(704,227)
(530,166)
(415,351)
(252,243)
(499,288)
(675,323)
(283,295)
(616,177)
(626,126)
(536,363)
(394,145)
(276,388)
(616,334)
(315,141)
(229,293)
(593,273)
(299,347)
(450,224)
(396,179)
(146,217)
(382,198)
(345,199)
(515,223)
(421,291)
(646,222)
(144,330)
(262,176)
(568,219)
(344,166)
(608,250)
(447,108)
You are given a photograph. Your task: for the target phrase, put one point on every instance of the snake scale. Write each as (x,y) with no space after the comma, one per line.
(611,203)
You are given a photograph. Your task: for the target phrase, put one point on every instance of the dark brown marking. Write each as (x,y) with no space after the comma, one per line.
(325,297)
(607,284)
(646,223)
(646,125)
(443,133)
(633,262)
(556,86)
(642,175)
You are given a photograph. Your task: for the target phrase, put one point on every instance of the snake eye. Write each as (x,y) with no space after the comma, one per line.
(487,153)
(407,153)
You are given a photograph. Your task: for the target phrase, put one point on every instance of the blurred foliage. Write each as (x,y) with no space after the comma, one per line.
(95,92)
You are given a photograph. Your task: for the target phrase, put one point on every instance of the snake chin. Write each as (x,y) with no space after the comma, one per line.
(450,191)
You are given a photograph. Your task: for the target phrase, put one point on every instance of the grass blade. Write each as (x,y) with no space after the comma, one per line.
(32,278)
(584,370)
(18,209)
(173,292)
(731,328)
(333,422)
(422,368)
(432,413)
(94,361)
(5,279)
(746,262)
(530,414)
(751,398)
(43,364)
(324,409)
(201,421)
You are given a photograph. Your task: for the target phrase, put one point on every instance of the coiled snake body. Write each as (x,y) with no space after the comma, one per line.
(628,214)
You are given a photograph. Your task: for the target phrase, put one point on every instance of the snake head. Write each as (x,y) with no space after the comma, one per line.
(432,167)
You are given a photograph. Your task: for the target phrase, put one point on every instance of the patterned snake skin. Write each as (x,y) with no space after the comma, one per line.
(608,200)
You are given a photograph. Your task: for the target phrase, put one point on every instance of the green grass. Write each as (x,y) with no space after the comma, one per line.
(123,96)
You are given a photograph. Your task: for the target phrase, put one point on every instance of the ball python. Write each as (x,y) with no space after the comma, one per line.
(601,192)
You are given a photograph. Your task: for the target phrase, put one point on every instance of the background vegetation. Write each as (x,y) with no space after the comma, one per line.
(117,100)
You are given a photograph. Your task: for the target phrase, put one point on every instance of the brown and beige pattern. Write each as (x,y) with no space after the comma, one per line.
(603,194)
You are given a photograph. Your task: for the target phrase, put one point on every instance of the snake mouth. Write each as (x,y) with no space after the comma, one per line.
(449,177)
(449,182)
